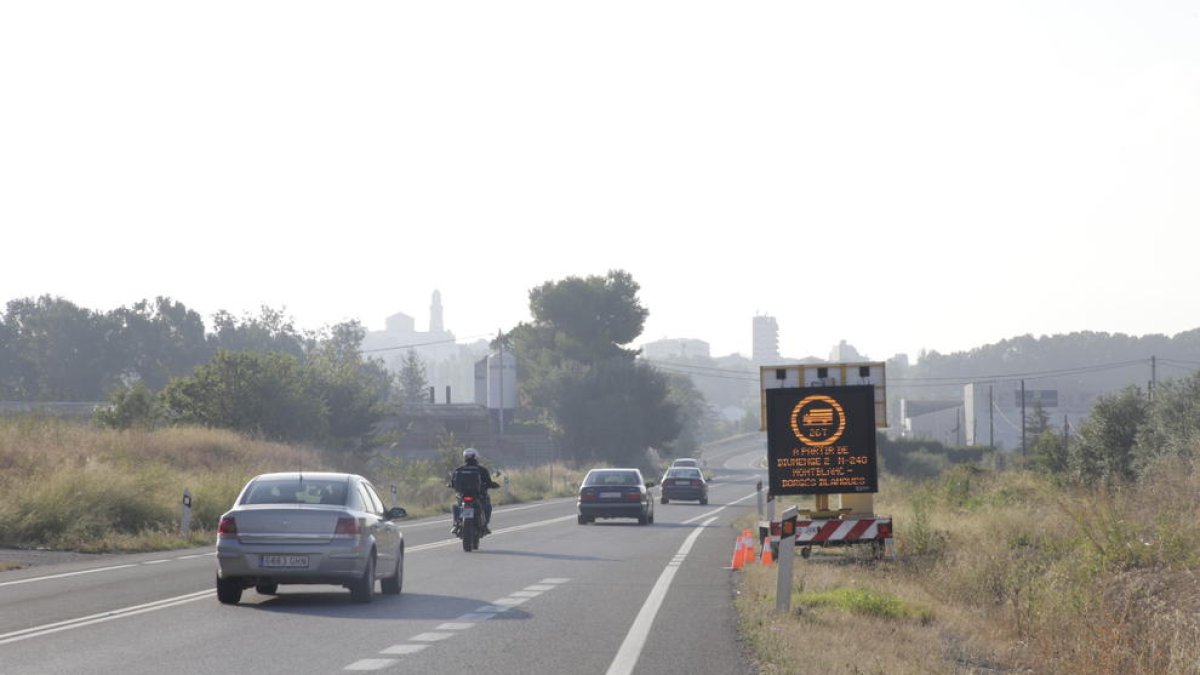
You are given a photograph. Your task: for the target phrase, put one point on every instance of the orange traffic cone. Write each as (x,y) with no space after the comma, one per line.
(748,547)
(739,554)
(767,558)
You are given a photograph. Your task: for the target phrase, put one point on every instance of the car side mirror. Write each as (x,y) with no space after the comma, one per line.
(395,513)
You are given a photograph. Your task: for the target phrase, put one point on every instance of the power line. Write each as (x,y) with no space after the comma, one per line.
(703,371)
(423,344)
(1031,375)
(1180,362)
(711,371)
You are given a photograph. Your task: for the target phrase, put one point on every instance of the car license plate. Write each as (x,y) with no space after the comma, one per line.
(284,561)
(610,495)
(468,512)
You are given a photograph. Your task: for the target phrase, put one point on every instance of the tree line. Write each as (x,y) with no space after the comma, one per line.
(1086,363)
(156,362)
(54,350)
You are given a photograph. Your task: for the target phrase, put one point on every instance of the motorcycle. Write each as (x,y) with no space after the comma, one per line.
(469,522)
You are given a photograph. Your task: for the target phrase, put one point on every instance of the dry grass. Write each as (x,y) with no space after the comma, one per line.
(71,486)
(915,634)
(1011,573)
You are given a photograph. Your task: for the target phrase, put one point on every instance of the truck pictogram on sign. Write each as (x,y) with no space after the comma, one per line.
(819,417)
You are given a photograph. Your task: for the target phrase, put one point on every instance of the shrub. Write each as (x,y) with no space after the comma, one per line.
(130,407)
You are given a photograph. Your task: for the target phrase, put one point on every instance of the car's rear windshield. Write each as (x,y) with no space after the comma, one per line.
(686,462)
(297,491)
(612,478)
(694,474)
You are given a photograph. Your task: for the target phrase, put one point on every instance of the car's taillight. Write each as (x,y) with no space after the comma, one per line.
(588,495)
(468,499)
(633,496)
(227,528)
(346,526)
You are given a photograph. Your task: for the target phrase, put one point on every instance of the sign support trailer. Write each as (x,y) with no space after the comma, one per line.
(820,422)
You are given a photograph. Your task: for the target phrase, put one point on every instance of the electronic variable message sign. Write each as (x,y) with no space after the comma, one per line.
(821,440)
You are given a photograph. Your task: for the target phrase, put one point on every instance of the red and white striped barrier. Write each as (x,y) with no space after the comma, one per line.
(842,531)
(837,532)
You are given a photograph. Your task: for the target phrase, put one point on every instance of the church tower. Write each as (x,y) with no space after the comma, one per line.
(435,313)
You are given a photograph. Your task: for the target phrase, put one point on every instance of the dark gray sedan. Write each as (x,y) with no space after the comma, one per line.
(684,483)
(309,528)
(615,493)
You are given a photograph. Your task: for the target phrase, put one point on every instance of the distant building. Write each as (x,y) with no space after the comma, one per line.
(766,340)
(992,411)
(447,363)
(677,348)
(435,314)
(845,353)
(940,421)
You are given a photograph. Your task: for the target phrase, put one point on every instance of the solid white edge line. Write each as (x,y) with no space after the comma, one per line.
(66,574)
(30,580)
(38,631)
(635,640)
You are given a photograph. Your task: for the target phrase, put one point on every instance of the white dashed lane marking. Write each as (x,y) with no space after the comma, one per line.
(449,629)
(403,649)
(372,664)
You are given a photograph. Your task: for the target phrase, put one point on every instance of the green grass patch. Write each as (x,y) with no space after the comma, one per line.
(864,602)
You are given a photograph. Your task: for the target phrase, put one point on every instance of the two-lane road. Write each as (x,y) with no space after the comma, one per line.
(543,595)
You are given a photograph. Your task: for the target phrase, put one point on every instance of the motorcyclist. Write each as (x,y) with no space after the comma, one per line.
(471,464)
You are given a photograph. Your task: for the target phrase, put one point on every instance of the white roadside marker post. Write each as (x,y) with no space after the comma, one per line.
(787,555)
(185,520)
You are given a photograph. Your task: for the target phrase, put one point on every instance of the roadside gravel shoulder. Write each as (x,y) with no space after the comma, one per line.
(21,558)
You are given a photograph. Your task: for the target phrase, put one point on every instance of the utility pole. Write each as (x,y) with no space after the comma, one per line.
(500,339)
(1023,453)
(991,418)
(1066,435)
(1153,376)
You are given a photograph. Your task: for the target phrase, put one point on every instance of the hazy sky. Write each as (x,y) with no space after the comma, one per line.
(901,175)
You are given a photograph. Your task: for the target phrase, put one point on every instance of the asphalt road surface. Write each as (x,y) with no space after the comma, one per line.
(542,595)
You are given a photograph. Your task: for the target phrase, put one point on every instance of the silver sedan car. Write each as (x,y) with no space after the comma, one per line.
(309,528)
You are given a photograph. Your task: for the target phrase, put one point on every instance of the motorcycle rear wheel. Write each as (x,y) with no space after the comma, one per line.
(469,538)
